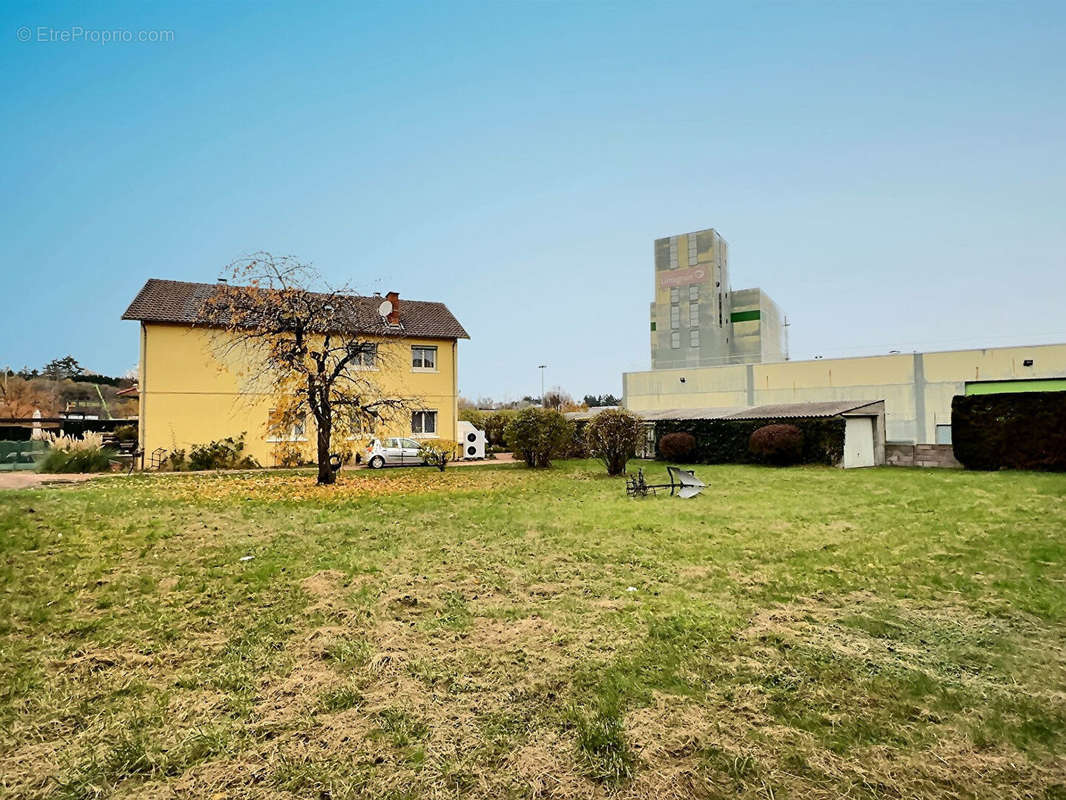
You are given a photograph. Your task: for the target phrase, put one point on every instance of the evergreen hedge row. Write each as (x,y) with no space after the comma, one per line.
(1016,430)
(725,441)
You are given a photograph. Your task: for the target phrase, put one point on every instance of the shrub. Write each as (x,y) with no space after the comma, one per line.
(288,455)
(474,416)
(613,437)
(677,446)
(438,452)
(536,435)
(726,441)
(495,427)
(176,461)
(77,454)
(221,454)
(777,444)
(1016,430)
(126,433)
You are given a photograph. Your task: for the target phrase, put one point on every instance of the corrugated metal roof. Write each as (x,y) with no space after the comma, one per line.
(690,413)
(182,302)
(774,411)
(829,408)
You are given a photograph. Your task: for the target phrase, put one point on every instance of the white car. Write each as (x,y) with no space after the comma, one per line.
(393,452)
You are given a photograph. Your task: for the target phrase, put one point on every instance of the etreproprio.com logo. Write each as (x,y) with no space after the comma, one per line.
(74,34)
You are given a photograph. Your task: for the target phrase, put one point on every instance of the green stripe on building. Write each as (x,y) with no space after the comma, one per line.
(744,316)
(1023,385)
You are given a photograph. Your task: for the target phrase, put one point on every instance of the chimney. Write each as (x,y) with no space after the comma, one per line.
(394,317)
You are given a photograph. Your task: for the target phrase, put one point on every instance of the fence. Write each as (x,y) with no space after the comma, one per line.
(21,455)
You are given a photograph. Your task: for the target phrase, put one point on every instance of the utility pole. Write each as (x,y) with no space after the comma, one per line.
(542,367)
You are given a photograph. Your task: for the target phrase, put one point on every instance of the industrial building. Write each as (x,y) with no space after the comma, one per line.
(917,387)
(716,348)
(697,319)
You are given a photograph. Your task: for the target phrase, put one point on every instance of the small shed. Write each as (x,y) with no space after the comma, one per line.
(864,431)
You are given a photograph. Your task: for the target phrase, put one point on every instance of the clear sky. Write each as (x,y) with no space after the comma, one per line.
(893,174)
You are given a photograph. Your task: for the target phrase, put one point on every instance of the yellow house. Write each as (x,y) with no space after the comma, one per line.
(188,396)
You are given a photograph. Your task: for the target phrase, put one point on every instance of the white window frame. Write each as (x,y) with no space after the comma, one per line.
(694,293)
(366,360)
(693,315)
(424,413)
(424,348)
(675,317)
(694,337)
(675,340)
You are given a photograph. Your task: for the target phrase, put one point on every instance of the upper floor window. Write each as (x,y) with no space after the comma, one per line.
(424,422)
(367,356)
(424,358)
(675,340)
(675,295)
(694,293)
(693,315)
(675,317)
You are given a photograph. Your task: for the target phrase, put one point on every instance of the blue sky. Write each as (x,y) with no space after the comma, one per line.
(891,173)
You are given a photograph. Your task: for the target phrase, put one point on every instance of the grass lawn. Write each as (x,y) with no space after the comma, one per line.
(497,632)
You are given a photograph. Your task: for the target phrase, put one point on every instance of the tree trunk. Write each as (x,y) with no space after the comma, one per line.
(326,475)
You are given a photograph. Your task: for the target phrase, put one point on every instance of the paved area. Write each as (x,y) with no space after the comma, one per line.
(30,480)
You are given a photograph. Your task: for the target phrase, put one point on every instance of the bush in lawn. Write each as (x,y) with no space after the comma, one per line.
(225,453)
(777,444)
(438,452)
(676,446)
(71,454)
(613,437)
(536,435)
(1015,430)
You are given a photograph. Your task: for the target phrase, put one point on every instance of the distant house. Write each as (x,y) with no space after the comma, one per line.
(188,397)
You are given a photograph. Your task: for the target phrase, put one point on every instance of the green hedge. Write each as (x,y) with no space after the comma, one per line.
(1016,430)
(725,441)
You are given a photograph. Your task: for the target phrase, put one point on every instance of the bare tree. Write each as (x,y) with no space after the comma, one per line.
(305,344)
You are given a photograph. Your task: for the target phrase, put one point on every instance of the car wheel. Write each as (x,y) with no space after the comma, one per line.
(377,462)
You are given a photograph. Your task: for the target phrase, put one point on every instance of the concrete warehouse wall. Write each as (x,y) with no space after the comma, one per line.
(917,387)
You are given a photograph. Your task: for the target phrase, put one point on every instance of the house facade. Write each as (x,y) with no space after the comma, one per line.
(189,395)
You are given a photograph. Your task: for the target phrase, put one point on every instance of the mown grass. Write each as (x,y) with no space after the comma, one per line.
(495,632)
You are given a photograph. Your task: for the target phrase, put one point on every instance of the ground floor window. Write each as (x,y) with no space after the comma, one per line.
(424,422)
(280,429)
(943,434)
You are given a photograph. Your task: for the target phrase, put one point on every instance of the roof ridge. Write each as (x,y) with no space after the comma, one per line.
(164,300)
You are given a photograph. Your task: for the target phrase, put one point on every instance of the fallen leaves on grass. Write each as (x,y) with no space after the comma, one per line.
(350,486)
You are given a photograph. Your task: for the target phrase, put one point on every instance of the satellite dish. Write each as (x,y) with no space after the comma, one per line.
(385,308)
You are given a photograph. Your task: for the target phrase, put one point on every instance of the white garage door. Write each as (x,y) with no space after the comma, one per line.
(858,442)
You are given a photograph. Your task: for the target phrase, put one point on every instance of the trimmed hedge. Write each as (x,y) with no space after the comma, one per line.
(725,441)
(1016,430)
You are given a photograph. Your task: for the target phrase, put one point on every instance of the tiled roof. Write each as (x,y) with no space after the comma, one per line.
(182,302)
